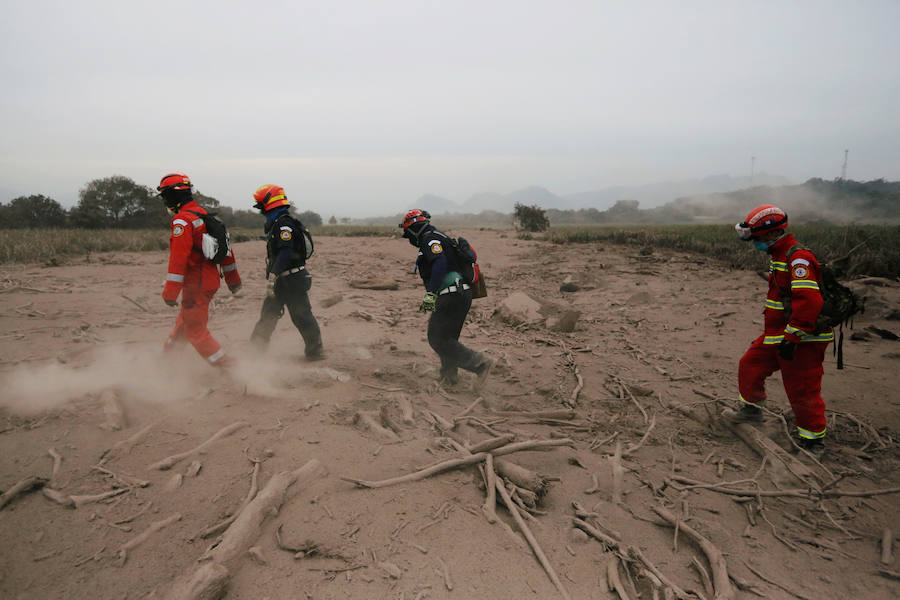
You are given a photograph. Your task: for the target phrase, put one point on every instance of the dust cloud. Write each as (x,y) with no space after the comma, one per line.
(146,375)
(143,372)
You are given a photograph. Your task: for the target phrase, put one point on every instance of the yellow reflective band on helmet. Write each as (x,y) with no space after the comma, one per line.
(276,198)
(773,339)
(808,337)
(774,305)
(778,266)
(810,435)
(804,284)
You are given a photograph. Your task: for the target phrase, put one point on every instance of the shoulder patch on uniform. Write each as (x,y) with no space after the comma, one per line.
(800,272)
(799,261)
(286,233)
(177,230)
(435,247)
(181,222)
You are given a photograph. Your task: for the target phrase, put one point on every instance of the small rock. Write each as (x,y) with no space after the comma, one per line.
(174,482)
(568,285)
(193,469)
(269,453)
(893,315)
(391,569)
(860,336)
(565,322)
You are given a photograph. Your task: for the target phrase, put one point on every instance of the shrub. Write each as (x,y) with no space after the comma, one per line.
(530,218)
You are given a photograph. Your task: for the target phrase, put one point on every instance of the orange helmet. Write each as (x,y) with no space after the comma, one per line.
(178,182)
(269,196)
(414,216)
(760,220)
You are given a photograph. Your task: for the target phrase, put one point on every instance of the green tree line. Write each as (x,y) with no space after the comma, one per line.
(118,202)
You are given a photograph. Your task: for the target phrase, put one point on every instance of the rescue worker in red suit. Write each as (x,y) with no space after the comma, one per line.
(191,274)
(790,342)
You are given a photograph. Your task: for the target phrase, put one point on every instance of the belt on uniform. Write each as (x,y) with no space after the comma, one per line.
(291,271)
(453,288)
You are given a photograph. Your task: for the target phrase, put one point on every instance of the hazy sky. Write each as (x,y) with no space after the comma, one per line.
(358,108)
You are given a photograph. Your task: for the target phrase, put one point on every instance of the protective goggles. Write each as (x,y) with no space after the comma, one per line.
(743,231)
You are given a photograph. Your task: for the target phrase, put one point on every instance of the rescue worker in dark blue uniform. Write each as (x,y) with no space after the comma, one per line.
(447,296)
(286,248)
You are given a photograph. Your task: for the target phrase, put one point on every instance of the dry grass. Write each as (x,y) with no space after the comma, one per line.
(872,249)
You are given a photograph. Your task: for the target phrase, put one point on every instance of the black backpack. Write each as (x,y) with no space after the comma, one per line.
(839,303)
(464,257)
(216,243)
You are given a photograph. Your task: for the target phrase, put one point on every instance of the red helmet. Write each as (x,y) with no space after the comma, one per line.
(414,216)
(269,196)
(760,220)
(178,182)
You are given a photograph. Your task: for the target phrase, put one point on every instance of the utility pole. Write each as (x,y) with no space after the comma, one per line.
(752,166)
(844,168)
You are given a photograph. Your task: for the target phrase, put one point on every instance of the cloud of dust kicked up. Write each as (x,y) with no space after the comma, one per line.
(144,373)
(148,376)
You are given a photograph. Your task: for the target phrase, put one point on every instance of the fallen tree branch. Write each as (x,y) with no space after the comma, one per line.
(125,446)
(635,447)
(716,559)
(245,528)
(89,498)
(57,461)
(223,525)
(489,484)
(20,487)
(455,463)
(775,583)
(143,536)
(58,497)
(126,480)
(613,581)
(498,484)
(447,465)
(371,422)
(170,461)
(211,580)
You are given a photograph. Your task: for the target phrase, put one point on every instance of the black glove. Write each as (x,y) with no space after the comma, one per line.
(786,350)
(171,302)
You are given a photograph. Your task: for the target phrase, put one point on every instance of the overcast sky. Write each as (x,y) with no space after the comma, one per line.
(358,108)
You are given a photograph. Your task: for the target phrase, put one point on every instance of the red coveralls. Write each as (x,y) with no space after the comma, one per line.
(197,279)
(802,377)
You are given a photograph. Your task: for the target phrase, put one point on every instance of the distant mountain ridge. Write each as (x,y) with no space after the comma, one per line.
(649,195)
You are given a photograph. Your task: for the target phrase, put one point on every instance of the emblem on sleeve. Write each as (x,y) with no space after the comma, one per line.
(436,249)
(286,234)
(177,230)
(800,272)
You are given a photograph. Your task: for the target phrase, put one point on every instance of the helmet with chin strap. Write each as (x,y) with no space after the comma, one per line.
(175,190)
(762,219)
(412,224)
(268,196)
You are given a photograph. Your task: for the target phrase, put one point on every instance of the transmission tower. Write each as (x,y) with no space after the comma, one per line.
(844,168)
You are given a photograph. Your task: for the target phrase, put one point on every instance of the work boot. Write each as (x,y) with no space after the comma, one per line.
(449,376)
(226,363)
(815,447)
(748,413)
(482,371)
(315,353)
